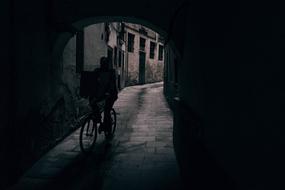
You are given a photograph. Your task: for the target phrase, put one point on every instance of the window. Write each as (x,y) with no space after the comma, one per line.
(131,41)
(142,44)
(122,32)
(151,50)
(160,52)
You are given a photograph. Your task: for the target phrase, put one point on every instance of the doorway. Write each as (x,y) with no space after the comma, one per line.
(142,67)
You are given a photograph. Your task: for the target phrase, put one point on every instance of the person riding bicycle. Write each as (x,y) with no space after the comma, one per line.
(104,89)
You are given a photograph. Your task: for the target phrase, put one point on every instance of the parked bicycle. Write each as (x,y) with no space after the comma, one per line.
(90,128)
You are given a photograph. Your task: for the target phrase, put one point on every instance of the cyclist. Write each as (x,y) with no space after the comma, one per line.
(104,89)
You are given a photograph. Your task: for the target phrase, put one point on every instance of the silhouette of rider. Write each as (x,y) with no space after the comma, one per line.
(104,89)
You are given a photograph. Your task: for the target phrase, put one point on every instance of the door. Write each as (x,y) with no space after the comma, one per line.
(142,68)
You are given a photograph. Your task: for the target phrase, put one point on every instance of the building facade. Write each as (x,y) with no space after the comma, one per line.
(144,55)
(84,50)
(105,39)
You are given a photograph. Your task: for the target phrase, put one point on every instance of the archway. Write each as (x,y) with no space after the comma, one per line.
(64,37)
(173,55)
(149,145)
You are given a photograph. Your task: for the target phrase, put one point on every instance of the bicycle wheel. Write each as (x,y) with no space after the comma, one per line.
(110,133)
(88,135)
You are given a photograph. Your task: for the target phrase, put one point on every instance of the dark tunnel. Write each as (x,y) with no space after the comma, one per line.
(223,82)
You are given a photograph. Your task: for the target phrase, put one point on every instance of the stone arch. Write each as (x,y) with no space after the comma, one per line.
(63,38)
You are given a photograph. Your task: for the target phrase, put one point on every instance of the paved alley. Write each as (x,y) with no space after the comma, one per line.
(140,157)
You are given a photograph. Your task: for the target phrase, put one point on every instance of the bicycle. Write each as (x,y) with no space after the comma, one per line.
(90,126)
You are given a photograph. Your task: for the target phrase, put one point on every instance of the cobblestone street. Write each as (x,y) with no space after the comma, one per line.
(141,155)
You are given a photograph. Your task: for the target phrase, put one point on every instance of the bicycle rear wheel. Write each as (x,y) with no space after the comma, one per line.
(88,135)
(110,133)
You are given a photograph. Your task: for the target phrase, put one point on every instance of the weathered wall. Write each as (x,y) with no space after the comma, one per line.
(69,76)
(37,96)
(132,57)
(95,46)
(71,80)
(231,80)
(114,41)
(133,62)
(113,35)
(154,71)
(153,67)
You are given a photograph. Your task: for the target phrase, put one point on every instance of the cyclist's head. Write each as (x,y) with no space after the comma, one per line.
(104,63)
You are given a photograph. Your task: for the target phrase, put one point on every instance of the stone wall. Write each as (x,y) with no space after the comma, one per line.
(95,46)
(153,67)
(133,65)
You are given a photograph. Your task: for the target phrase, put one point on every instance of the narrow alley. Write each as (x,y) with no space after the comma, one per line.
(141,155)
(222,67)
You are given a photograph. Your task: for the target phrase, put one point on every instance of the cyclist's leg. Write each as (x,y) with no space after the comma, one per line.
(96,111)
(107,115)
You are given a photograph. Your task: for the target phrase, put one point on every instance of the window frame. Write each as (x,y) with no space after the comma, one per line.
(152,51)
(142,48)
(131,42)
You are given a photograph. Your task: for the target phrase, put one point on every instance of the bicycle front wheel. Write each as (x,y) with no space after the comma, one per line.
(88,135)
